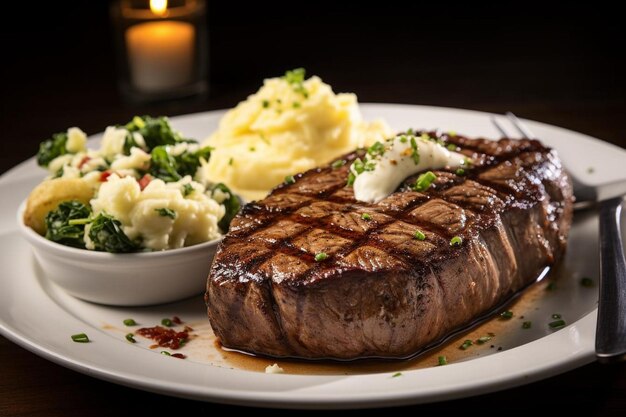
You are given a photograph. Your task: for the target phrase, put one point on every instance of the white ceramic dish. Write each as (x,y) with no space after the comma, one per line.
(123,279)
(39,316)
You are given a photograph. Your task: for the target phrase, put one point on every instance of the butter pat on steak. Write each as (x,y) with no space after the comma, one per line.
(380,291)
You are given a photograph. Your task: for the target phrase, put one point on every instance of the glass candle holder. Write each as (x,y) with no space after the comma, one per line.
(161,48)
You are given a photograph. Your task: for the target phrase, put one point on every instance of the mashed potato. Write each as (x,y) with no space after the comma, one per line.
(290,125)
(160,216)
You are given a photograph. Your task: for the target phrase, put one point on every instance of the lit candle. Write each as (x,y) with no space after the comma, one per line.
(160,53)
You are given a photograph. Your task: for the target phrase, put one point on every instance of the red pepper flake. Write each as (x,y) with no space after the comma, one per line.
(177,320)
(105,175)
(84,161)
(168,338)
(144,181)
(178,355)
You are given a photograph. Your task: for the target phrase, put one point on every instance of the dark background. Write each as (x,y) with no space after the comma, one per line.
(563,66)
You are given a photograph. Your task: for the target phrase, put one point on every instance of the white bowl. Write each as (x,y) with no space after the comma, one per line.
(125,279)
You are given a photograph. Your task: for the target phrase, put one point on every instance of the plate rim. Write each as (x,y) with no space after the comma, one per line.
(585,327)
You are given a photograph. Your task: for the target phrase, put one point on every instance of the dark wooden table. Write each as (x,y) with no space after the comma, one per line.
(560,67)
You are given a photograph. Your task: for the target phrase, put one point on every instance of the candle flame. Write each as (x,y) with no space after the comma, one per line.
(158,7)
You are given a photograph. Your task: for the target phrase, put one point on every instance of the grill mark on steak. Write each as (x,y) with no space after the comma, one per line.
(382,292)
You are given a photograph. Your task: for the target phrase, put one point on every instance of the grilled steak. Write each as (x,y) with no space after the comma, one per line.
(381,292)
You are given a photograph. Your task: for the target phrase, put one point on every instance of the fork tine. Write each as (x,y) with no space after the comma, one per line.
(521,127)
(498,126)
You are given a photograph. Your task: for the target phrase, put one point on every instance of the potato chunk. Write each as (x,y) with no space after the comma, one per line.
(49,194)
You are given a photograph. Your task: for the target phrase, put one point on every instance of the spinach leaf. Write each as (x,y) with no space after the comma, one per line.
(172,168)
(107,235)
(231,204)
(66,223)
(187,163)
(156,131)
(163,165)
(51,148)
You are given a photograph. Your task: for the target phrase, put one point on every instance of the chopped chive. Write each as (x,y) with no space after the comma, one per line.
(456,241)
(187,189)
(230,161)
(376,149)
(556,324)
(80,338)
(320,257)
(252,149)
(397,374)
(506,315)
(586,282)
(289,179)
(451,147)
(366,216)
(460,171)
(166,353)
(403,139)
(466,344)
(442,360)
(130,338)
(266,104)
(551,286)
(419,235)
(166,322)
(296,105)
(556,316)
(452,133)
(338,163)
(410,131)
(130,322)
(416,157)
(424,181)
(166,212)
(527,325)
(482,340)
(351,178)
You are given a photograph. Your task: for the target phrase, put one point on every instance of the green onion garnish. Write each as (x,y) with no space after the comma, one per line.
(416,155)
(586,282)
(80,338)
(320,257)
(130,338)
(410,131)
(165,212)
(403,138)
(506,315)
(366,216)
(351,178)
(252,149)
(442,360)
(419,235)
(527,325)
(466,344)
(187,189)
(424,181)
(456,241)
(166,322)
(451,147)
(296,105)
(130,322)
(483,340)
(556,324)
(460,171)
(166,353)
(289,179)
(338,163)
(230,161)
(266,104)
(397,374)
(376,149)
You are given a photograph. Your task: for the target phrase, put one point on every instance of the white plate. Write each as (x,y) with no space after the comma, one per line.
(40,317)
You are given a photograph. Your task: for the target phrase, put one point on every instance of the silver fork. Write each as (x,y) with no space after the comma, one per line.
(611,324)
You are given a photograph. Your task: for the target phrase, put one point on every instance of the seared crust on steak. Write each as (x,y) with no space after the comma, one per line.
(381,292)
